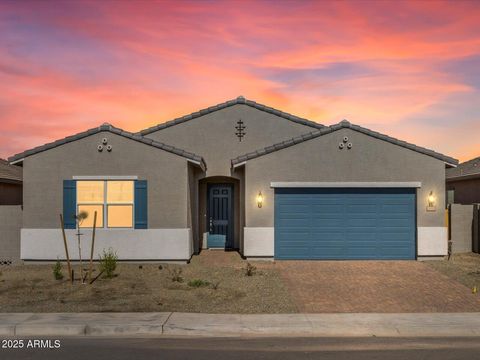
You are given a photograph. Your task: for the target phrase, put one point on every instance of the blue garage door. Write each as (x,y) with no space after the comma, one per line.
(346,224)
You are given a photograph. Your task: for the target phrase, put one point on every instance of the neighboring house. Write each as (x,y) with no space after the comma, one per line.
(463,183)
(237,175)
(10,184)
(10,212)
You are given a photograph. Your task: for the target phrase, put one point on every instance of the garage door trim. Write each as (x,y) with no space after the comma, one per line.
(345,242)
(295,184)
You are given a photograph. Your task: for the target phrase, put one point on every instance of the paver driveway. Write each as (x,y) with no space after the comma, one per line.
(373,286)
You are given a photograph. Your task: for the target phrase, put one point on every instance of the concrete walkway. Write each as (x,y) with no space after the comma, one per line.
(224,325)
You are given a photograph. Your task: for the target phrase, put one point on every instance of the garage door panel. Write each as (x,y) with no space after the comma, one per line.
(295,223)
(345,223)
(356,236)
(395,223)
(359,210)
(365,222)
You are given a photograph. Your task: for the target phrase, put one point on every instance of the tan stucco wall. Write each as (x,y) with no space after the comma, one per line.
(461,220)
(166,174)
(320,159)
(10,225)
(213,135)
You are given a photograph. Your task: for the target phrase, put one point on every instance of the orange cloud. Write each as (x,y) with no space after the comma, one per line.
(398,67)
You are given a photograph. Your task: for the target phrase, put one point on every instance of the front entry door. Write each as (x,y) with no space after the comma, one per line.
(220,216)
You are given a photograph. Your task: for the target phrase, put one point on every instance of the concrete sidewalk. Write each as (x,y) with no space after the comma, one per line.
(224,325)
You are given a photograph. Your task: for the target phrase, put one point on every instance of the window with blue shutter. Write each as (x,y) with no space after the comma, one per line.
(69,203)
(141,204)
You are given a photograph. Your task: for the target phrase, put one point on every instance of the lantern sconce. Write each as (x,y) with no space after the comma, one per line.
(259,199)
(431,202)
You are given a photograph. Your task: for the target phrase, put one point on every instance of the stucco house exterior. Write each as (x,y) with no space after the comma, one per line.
(10,184)
(238,175)
(10,212)
(463,183)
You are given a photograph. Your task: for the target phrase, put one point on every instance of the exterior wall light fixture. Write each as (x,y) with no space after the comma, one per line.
(259,199)
(431,202)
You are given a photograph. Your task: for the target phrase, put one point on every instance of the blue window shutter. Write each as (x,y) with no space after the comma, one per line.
(141,204)
(69,203)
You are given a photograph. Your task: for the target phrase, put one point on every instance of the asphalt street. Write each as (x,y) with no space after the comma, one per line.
(249,348)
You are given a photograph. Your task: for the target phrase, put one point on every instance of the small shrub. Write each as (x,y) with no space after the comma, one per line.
(198,283)
(160,267)
(215,285)
(176,275)
(250,269)
(57,270)
(108,262)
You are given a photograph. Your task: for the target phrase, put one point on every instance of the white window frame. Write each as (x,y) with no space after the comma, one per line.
(105,204)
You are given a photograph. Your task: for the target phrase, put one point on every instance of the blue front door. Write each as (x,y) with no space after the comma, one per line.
(220,216)
(345,223)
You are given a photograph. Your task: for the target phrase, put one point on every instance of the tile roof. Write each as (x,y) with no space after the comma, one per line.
(470,168)
(238,100)
(109,128)
(10,172)
(329,129)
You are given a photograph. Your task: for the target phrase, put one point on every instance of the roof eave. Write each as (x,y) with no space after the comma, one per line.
(18,158)
(449,161)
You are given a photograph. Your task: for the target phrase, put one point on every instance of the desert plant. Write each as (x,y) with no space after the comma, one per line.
(108,262)
(215,285)
(198,283)
(176,274)
(57,270)
(250,269)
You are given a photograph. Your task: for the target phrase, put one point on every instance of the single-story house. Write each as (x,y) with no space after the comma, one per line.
(10,212)
(463,183)
(238,175)
(10,184)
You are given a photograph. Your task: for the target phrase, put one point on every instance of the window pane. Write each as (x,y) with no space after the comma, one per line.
(90,192)
(90,209)
(120,216)
(119,192)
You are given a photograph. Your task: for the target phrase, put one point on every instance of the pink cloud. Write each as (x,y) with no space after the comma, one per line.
(71,66)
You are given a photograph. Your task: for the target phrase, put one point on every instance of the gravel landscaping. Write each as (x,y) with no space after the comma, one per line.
(464,268)
(216,282)
(206,286)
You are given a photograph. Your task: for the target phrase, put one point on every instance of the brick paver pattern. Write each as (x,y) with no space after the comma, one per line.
(373,286)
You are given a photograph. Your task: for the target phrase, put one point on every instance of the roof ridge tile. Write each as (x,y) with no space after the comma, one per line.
(109,128)
(341,125)
(220,106)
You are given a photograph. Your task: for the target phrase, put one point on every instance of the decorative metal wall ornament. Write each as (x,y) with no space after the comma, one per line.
(240,130)
(343,144)
(104,144)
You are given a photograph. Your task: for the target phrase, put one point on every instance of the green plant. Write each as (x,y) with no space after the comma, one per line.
(250,269)
(57,270)
(176,274)
(198,283)
(108,262)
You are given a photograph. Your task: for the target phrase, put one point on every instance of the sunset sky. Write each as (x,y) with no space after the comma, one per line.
(407,69)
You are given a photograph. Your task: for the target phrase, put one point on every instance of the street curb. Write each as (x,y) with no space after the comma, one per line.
(240,325)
